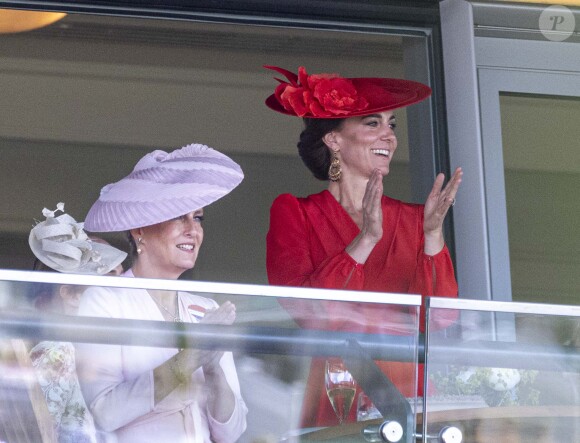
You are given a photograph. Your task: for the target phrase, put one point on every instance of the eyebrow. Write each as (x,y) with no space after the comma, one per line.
(392,117)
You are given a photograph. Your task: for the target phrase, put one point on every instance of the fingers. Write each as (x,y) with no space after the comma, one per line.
(455,180)
(374,192)
(438,184)
(445,196)
(452,186)
(372,222)
(224,314)
(440,199)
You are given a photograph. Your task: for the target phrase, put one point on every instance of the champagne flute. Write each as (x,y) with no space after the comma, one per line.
(340,388)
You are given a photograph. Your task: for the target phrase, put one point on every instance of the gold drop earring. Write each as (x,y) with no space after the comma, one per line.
(335,171)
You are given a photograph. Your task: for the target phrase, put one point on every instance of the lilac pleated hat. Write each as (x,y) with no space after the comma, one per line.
(163,186)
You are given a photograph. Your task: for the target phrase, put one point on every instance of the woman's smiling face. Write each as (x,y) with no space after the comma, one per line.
(171,247)
(365,143)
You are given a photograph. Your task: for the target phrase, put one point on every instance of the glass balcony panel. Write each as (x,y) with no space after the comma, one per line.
(279,342)
(506,376)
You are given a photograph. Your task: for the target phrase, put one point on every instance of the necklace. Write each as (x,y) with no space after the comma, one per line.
(174,318)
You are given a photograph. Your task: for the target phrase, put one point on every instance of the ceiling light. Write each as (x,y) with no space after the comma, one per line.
(14,20)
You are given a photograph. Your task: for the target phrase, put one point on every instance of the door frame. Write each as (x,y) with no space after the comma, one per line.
(493,82)
(477,69)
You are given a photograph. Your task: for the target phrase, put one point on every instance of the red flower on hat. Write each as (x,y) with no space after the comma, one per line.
(320,95)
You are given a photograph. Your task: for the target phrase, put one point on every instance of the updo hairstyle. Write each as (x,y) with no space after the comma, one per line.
(312,149)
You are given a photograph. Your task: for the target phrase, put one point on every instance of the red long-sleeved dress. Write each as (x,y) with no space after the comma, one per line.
(306,247)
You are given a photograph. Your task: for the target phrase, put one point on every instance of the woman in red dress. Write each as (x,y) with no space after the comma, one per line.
(351,236)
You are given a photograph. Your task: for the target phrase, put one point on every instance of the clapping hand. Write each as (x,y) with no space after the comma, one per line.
(371,226)
(372,223)
(223,315)
(440,199)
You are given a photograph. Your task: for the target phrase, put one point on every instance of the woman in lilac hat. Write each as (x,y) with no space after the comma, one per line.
(351,236)
(150,394)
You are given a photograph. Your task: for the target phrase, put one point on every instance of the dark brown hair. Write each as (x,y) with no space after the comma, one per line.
(132,248)
(312,149)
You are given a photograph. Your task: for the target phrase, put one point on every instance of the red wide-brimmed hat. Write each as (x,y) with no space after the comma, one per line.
(332,96)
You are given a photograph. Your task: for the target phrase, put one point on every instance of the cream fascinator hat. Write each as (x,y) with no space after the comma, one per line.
(62,244)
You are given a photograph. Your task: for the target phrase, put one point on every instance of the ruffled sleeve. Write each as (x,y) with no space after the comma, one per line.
(434,276)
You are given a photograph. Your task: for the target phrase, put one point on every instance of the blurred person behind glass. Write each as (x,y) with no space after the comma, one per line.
(60,244)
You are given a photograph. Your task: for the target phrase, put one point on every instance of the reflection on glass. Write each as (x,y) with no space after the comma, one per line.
(272,356)
(365,409)
(505,389)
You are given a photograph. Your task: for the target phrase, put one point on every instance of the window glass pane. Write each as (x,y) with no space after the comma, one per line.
(542,175)
(500,387)
(87,96)
(110,366)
